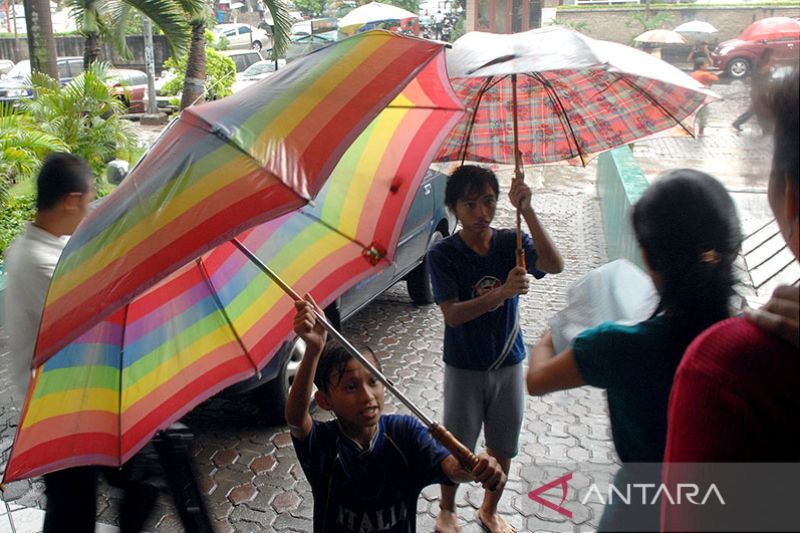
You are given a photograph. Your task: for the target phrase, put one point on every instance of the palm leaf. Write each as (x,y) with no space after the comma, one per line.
(282,26)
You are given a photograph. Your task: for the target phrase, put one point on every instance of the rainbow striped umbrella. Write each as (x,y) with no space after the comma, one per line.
(162,311)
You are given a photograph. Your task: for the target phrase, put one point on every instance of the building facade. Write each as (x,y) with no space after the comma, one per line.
(509,16)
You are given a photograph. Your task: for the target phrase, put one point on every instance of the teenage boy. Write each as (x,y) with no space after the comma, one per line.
(64,191)
(483,349)
(366,470)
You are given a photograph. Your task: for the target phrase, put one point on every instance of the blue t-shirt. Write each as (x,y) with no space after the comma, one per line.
(636,365)
(375,489)
(458,273)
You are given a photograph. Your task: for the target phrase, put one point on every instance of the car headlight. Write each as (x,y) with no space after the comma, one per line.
(724,50)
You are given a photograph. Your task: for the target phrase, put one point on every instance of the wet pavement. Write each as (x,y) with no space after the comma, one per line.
(248,469)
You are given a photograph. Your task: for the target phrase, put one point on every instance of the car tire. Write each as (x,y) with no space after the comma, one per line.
(272,396)
(738,68)
(256,46)
(418,281)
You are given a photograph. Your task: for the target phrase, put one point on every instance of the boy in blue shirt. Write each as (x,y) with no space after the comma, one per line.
(483,349)
(366,470)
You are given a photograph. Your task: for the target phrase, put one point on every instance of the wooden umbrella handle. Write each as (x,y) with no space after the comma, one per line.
(466,458)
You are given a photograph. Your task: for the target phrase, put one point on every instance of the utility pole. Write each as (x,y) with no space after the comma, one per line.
(151,114)
(41,41)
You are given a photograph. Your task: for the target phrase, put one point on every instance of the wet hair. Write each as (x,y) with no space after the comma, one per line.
(61,174)
(780,102)
(334,360)
(686,224)
(468,180)
(699,62)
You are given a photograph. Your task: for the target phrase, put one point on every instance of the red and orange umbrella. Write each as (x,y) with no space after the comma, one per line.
(151,310)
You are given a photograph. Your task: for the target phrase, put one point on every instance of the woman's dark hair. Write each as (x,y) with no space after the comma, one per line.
(60,175)
(334,359)
(467,180)
(687,226)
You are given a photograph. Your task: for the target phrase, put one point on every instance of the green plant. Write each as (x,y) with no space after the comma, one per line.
(314,7)
(653,22)
(222,43)
(13,217)
(22,147)
(85,115)
(220,75)
(582,27)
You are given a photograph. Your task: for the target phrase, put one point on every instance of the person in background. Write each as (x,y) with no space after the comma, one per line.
(700,73)
(365,469)
(438,23)
(483,345)
(762,72)
(64,191)
(735,397)
(689,235)
(700,50)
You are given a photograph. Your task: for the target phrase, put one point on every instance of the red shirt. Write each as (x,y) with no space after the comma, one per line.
(735,398)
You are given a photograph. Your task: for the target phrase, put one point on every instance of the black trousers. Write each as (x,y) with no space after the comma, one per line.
(72,499)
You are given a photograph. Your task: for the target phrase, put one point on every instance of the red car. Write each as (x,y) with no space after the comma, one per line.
(130,86)
(737,56)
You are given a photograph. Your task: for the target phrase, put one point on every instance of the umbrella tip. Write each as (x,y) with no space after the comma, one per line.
(374,253)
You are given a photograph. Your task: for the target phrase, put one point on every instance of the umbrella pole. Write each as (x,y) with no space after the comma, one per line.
(465,457)
(518,173)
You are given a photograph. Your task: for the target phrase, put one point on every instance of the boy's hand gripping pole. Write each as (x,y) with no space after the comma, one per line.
(466,458)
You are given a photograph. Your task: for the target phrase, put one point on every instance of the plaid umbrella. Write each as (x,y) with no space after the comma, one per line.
(553,94)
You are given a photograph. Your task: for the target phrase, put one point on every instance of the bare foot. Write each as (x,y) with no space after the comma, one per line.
(447,522)
(494,523)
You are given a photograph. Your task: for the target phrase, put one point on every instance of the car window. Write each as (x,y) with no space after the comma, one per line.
(260,68)
(20,70)
(75,66)
(229,33)
(63,70)
(244,29)
(137,78)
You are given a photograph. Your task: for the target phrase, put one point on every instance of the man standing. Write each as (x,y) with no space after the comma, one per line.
(64,188)
(483,348)
(438,22)
(64,191)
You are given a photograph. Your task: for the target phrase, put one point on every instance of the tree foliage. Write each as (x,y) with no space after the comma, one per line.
(314,8)
(220,74)
(85,115)
(22,147)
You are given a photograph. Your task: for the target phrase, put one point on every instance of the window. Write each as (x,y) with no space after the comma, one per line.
(75,66)
(484,16)
(244,29)
(229,33)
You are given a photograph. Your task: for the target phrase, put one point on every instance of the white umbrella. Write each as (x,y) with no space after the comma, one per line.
(660,37)
(374,12)
(696,26)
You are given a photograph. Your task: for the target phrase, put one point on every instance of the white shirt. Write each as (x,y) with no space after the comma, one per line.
(29,262)
(438,18)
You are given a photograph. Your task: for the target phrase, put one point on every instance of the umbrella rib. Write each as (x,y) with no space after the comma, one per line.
(207,279)
(121,365)
(335,230)
(654,102)
(481,92)
(563,116)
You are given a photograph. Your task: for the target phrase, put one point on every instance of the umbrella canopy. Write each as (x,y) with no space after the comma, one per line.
(660,37)
(577,96)
(216,320)
(371,13)
(696,26)
(771,28)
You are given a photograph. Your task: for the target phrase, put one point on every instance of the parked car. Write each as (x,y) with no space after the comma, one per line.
(130,86)
(736,57)
(243,58)
(16,84)
(5,66)
(428,220)
(243,36)
(255,72)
